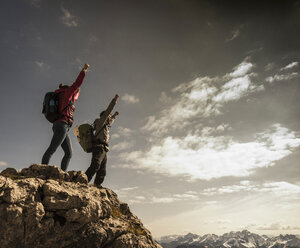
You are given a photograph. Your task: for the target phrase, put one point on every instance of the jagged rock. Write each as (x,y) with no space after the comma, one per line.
(10,171)
(43,206)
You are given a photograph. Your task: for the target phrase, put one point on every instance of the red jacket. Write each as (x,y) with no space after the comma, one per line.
(67,97)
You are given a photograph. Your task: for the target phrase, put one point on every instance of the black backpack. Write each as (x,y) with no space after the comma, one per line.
(51,107)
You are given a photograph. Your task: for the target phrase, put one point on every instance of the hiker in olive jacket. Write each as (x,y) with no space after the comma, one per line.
(67,97)
(101,143)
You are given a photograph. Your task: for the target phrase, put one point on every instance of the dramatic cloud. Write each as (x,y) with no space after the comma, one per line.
(276,226)
(187,196)
(163,199)
(282,77)
(130,98)
(68,19)
(202,98)
(202,152)
(3,163)
(137,196)
(242,69)
(128,189)
(205,157)
(290,66)
(284,190)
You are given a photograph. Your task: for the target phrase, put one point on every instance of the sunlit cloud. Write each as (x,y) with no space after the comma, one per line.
(134,195)
(235,89)
(203,152)
(130,98)
(126,190)
(197,156)
(275,226)
(129,188)
(282,77)
(68,19)
(242,69)
(163,199)
(284,190)
(201,98)
(188,196)
(290,66)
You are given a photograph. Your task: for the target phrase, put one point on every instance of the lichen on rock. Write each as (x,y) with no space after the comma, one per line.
(43,206)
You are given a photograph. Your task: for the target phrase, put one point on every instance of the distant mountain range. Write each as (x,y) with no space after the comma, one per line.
(244,239)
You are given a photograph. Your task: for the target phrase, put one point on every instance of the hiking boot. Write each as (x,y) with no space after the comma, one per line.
(98,186)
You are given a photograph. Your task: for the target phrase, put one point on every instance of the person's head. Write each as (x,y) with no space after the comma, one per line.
(63,86)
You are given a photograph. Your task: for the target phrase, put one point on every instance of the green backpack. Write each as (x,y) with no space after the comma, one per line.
(84,134)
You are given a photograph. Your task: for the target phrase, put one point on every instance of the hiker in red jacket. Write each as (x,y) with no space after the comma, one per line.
(67,97)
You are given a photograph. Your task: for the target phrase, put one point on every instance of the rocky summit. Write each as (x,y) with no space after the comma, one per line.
(43,206)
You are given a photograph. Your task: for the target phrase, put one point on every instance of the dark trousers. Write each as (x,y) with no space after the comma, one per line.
(98,165)
(60,138)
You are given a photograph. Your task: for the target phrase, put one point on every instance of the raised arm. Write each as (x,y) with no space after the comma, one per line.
(114,116)
(107,112)
(79,79)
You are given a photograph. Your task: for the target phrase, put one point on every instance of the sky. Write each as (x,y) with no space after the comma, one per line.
(208,136)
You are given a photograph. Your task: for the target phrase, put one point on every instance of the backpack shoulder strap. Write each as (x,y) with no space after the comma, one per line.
(104,126)
(69,104)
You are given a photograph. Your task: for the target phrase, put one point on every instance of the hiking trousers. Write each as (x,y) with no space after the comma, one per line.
(98,165)
(60,138)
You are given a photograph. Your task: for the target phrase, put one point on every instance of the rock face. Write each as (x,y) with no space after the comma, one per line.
(43,206)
